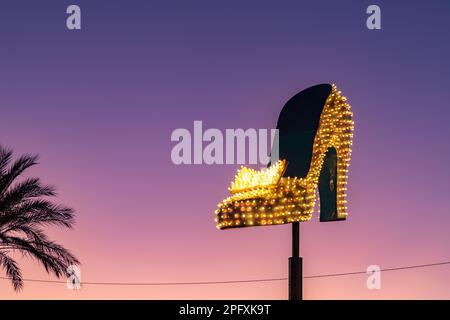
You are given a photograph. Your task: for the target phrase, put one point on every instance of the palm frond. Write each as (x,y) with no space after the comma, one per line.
(5,159)
(48,254)
(12,270)
(24,210)
(16,169)
(37,212)
(25,190)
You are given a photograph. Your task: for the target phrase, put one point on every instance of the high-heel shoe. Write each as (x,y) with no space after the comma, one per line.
(315,135)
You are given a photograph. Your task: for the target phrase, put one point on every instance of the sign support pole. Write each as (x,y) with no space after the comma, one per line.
(295,266)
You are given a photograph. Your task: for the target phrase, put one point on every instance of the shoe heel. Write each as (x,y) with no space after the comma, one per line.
(328,187)
(334,142)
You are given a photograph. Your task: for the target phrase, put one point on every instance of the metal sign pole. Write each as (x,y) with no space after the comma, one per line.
(295,266)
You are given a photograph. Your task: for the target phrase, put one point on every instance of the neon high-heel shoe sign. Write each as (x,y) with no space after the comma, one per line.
(315,137)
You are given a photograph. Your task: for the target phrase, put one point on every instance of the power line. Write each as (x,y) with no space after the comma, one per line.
(387,269)
(233,281)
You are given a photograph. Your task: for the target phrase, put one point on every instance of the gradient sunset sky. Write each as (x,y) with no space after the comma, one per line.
(99,106)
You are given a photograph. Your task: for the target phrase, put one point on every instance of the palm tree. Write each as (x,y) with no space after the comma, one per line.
(24,210)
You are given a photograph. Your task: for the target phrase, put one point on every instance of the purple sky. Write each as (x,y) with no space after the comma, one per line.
(99,106)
